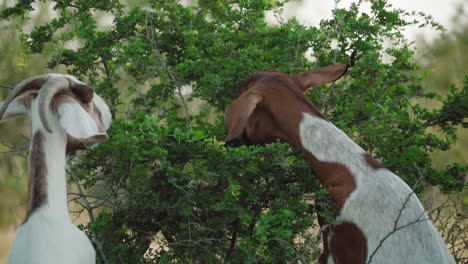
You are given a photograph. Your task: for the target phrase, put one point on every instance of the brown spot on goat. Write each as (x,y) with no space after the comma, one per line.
(348,244)
(336,177)
(37,187)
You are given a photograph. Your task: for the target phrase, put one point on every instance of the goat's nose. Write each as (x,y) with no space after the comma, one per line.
(239,141)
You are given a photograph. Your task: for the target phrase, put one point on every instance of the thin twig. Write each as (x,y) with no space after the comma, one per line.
(85,205)
(150,37)
(337,29)
(67,4)
(395,224)
(6,87)
(60,56)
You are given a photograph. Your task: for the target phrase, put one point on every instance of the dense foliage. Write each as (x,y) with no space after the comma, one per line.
(165,176)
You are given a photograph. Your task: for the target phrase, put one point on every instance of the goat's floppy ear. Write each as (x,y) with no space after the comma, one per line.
(237,114)
(321,75)
(82,129)
(18,106)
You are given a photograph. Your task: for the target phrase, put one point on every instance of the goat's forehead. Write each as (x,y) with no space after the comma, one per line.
(269,81)
(252,80)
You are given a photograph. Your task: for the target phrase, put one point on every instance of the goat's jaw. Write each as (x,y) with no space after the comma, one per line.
(74,143)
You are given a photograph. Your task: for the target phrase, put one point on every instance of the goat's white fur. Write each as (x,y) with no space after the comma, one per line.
(48,236)
(377,200)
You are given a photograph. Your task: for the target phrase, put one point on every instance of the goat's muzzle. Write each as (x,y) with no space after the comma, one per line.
(239,141)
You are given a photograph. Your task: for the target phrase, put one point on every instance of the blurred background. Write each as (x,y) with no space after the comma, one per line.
(444,54)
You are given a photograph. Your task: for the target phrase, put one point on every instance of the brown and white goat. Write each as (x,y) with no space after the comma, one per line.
(66,115)
(374,205)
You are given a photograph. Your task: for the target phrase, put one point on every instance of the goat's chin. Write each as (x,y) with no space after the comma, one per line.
(84,143)
(239,141)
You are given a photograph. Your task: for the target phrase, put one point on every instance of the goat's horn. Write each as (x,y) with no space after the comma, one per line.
(51,88)
(35,83)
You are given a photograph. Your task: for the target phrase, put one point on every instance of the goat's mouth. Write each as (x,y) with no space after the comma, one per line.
(74,144)
(239,141)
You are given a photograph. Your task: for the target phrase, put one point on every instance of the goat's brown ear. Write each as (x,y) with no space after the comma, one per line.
(321,75)
(18,106)
(237,114)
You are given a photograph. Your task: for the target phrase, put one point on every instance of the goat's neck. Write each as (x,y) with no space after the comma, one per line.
(47,182)
(333,156)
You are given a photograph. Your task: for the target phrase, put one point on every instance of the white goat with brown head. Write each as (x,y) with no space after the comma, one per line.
(382,220)
(66,115)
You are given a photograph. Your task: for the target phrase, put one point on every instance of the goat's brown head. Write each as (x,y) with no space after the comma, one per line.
(60,103)
(271,104)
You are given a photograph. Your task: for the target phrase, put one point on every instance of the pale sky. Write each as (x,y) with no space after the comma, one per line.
(310,12)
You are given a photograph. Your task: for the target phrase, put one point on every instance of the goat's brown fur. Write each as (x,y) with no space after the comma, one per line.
(37,188)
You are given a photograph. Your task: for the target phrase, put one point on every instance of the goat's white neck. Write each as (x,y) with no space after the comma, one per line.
(53,149)
(328,143)
(333,156)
